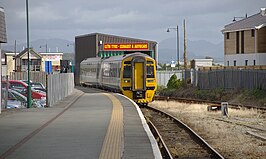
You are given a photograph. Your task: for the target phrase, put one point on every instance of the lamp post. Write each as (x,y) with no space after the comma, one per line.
(28,45)
(46,47)
(177,44)
(68,45)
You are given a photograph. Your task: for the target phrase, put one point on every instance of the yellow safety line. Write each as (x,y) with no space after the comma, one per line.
(113,142)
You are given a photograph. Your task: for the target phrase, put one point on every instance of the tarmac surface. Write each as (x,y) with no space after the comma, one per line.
(86,124)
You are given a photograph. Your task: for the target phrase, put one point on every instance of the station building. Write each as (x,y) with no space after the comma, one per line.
(48,62)
(104,45)
(245,41)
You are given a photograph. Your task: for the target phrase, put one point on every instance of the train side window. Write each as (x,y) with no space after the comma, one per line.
(127,72)
(150,72)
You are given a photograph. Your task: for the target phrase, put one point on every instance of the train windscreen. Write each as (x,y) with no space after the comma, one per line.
(150,72)
(127,72)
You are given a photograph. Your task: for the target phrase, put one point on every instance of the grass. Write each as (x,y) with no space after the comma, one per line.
(238,96)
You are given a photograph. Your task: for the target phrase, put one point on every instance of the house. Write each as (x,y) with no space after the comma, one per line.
(245,41)
(22,61)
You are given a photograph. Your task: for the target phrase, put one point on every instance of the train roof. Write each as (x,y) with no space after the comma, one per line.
(91,59)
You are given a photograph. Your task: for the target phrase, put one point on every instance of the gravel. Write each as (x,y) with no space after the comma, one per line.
(228,135)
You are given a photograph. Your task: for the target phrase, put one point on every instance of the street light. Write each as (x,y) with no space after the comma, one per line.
(68,45)
(177,44)
(46,47)
(28,45)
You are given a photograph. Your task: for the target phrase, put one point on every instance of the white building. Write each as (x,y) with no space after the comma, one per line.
(196,63)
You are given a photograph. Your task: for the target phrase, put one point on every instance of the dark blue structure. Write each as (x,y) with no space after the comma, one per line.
(48,67)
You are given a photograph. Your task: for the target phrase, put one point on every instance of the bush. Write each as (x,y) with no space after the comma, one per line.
(174,83)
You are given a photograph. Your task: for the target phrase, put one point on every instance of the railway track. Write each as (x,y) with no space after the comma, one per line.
(199,101)
(181,141)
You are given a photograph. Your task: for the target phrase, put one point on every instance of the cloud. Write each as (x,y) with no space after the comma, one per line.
(140,19)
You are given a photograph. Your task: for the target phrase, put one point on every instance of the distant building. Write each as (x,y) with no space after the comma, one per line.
(196,63)
(38,61)
(54,57)
(245,41)
(22,61)
(104,45)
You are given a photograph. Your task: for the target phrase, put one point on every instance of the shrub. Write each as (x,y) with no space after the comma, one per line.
(174,83)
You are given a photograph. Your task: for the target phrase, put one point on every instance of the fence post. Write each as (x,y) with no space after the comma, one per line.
(224,106)
(47,92)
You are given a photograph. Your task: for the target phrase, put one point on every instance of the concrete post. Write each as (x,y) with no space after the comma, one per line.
(224,106)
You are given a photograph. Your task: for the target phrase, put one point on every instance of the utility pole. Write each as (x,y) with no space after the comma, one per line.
(28,45)
(15,51)
(185,46)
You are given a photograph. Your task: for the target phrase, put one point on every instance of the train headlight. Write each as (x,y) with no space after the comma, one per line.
(126,81)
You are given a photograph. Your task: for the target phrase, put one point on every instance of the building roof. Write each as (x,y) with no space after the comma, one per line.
(51,53)
(25,51)
(2,26)
(256,21)
(121,37)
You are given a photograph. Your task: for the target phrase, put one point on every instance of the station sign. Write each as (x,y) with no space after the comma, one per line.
(126,46)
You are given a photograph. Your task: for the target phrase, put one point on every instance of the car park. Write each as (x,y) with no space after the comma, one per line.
(21,87)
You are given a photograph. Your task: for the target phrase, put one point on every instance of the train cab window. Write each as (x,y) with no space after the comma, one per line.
(150,72)
(149,62)
(127,72)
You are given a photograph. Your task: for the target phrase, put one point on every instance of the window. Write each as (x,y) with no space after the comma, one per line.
(127,72)
(227,35)
(246,62)
(254,62)
(227,63)
(234,62)
(237,42)
(150,72)
(242,42)
(252,33)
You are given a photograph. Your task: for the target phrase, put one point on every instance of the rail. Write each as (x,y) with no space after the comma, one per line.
(194,136)
(200,101)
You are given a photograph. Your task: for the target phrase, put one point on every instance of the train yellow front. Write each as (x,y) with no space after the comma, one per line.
(133,75)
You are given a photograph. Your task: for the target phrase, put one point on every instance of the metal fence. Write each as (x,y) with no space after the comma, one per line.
(34,76)
(58,87)
(231,79)
(163,77)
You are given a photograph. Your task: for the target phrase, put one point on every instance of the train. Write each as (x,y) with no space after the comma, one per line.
(133,75)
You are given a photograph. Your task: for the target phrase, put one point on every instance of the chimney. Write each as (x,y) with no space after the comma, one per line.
(263,11)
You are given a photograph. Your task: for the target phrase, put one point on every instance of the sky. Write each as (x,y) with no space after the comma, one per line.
(144,19)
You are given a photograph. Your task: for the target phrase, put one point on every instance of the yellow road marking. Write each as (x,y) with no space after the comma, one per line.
(113,142)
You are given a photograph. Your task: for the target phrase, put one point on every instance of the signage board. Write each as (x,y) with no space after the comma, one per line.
(126,46)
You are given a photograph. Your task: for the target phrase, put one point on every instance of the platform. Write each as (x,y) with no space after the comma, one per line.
(86,124)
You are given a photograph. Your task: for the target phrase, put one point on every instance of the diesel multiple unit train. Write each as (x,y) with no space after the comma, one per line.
(134,75)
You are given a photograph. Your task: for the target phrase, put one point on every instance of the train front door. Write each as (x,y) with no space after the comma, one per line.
(138,75)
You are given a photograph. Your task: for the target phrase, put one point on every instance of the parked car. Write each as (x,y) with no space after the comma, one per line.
(36,85)
(14,97)
(21,87)
(14,100)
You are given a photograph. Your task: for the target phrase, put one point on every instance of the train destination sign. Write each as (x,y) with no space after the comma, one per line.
(128,46)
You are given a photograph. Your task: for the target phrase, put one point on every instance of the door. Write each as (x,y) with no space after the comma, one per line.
(138,75)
